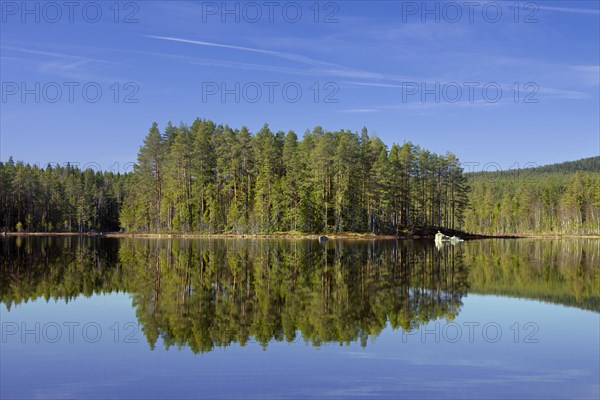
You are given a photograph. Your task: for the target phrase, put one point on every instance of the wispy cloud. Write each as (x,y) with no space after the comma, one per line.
(49,53)
(590,74)
(367,78)
(562,93)
(3,58)
(280,54)
(589,11)
(61,64)
(211,62)
(318,67)
(373,84)
(505,87)
(359,110)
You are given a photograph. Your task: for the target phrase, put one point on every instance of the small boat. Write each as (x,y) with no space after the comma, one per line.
(323,239)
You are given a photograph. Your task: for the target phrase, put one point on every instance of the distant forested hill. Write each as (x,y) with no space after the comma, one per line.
(560,198)
(590,164)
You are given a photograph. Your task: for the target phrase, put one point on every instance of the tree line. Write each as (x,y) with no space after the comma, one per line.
(209,178)
(59,198)
(212,178)
(538,200)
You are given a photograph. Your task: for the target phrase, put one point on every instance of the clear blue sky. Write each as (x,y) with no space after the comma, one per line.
(373,58)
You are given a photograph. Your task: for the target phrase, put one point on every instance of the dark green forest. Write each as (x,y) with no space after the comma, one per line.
(209,178)
(59,198)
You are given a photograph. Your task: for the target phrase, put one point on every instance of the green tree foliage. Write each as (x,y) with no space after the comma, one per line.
(211,178)
(536,200)
(143,208)
(59,198)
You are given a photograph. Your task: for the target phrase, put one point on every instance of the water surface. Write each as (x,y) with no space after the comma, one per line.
(224,318)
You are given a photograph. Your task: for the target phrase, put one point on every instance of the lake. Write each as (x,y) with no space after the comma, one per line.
(239,318)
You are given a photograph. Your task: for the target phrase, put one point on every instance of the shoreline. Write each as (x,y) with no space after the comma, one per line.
(284,235)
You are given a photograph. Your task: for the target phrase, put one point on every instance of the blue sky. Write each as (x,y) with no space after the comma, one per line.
(406,70)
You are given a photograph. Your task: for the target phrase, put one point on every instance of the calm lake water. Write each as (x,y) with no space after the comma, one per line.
(132,318)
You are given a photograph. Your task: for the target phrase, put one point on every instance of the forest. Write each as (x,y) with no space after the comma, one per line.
(555,199)
(209,178)
(58,198)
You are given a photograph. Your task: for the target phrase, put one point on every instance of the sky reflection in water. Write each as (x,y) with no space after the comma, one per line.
(490,346)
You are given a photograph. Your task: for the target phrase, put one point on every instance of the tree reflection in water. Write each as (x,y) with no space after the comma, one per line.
(214,292)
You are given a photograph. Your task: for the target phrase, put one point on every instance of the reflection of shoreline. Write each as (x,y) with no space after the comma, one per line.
(207,293)
(564,272)
(594,307)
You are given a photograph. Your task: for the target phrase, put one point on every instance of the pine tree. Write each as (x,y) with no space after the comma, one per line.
(266,178)
(149,171)
(203,170)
